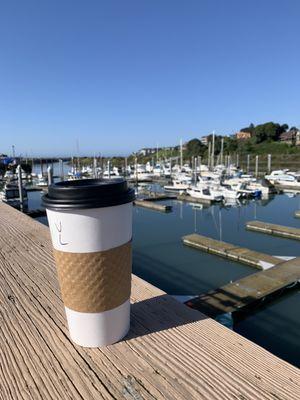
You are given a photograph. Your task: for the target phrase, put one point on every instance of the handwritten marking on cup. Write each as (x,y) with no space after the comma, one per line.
(59,229)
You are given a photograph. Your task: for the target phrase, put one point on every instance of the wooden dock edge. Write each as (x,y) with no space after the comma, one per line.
(171,351)
(274,229)
(153,206)
(232,252)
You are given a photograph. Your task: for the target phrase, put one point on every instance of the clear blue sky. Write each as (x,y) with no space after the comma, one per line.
(118,75)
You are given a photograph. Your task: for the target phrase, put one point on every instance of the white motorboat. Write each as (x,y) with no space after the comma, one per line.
(74,174)
(178,186)
(111,174)
(9,175)
(230,193)
(203,193)
(141,174)
(41,181)
(183,178)
(264,186)
(186,168)
(157,170)
(283,178)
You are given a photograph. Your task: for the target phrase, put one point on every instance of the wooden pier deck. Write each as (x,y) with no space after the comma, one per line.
(153,205)
(274,229)
(171,352)
(245,291)
(227,250)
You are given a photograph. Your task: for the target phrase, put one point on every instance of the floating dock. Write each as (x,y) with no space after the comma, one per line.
(170,352)
(33,188)
(190,199)
(159,196)
(227,250)
(153,206)
(274,229)
(245,291)
(40,212)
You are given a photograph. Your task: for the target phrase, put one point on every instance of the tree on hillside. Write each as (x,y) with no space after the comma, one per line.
(269,131)
(195,148)
(230,144)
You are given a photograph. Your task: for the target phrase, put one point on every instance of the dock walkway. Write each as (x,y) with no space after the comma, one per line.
(227,250)
(274,229)
(151,205)
(171,352)
(243,292)
(190,199)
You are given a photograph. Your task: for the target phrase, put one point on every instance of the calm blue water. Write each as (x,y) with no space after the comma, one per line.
(160,258)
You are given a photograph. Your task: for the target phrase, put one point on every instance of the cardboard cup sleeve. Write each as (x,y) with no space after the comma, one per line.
(95,282)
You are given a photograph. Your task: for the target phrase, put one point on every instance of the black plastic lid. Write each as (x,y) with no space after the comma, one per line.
(87,193)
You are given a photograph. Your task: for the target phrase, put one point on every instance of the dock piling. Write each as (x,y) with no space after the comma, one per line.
(50,175)
(20,186)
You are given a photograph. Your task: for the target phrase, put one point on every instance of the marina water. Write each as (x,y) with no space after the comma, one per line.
(160,258)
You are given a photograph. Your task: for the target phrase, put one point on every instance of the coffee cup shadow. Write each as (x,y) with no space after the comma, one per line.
(159,313)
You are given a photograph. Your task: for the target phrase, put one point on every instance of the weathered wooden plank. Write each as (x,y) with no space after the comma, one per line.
(230,251)
(171,351)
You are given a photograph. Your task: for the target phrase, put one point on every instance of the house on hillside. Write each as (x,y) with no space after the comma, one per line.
(147,151)
(243,135)
(291,137)
(204,140)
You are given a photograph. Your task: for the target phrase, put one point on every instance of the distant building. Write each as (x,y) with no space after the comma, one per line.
(243,135)
(291,137)
(147,151)
(204,140)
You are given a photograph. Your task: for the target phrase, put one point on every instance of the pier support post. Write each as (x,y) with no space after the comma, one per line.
(61,169)
(248,163)
(181,155)
(199,164)
(50,175)
(108,168)
(269,162)
(213,151)
(256,166)
(19,173)
(222,149)
(95,167)
(125,172)
(195,166)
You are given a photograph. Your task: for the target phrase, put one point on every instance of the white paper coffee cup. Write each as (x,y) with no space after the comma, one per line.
(91,229)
